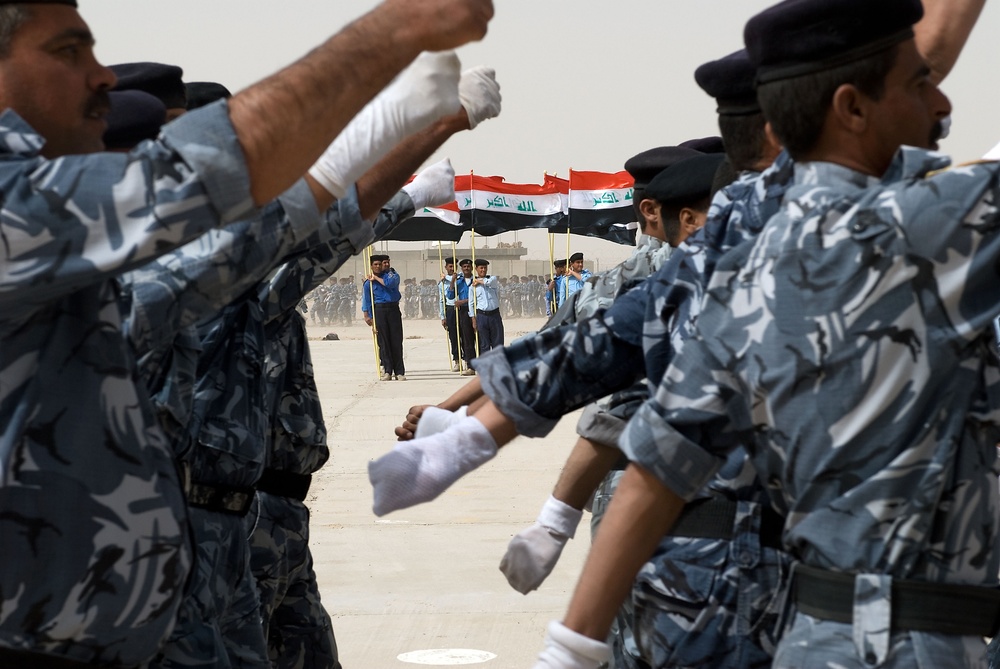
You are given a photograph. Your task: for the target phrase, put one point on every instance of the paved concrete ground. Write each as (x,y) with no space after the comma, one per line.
(426,577)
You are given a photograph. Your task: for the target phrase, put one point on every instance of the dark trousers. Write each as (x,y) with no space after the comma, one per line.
(452,322)
(490,327)
(468,334)
(389,323)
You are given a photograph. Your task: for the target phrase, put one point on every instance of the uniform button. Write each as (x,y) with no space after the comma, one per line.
(745,557)
(870,658)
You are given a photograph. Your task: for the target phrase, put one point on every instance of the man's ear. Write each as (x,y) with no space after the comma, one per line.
(850,109)
(650,210)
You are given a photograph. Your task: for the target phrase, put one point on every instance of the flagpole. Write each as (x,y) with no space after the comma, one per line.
(371,297)
(569,219)
(458,320)
(472,189)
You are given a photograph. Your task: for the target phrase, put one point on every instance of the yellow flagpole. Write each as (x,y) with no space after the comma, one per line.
(472,237)
(458,320)
(566,282)
(371,297)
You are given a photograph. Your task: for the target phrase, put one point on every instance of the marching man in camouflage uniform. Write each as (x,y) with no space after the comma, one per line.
(96,577)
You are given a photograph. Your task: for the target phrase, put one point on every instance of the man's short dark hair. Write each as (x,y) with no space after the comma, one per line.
(797,108)
(743,137)
(670,214)
(12,17)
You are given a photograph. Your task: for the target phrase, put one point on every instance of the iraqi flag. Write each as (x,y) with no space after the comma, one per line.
(490,205)
(431,224)
(600,205)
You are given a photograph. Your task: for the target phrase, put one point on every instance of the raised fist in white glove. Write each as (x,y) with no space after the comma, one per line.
(434,186)
(419,96)
(533,552)
(479,93)
(566,649)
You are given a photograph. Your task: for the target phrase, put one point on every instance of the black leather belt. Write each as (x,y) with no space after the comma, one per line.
(714,518)
(491,312)
(220,498)
(285,484)
(21,658)
(919,606)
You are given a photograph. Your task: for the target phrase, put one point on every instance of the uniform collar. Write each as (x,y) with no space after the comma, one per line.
(17,137)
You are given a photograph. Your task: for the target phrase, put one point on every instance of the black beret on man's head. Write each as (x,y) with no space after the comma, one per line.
(201,93)
(134,116)
(732,82)
(559,263)
(799,37)
(464,261)
(711,144)
(646,165)
(482,262)
(575,257)
(163,81)
(687,181)
(449,261)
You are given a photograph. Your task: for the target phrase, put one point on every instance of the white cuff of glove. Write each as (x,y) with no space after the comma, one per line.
(567,649)
(434,186)
(434,420)
(559,517)
(479,94)
(420,95)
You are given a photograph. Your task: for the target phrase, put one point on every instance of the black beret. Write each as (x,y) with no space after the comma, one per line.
(449,261)
(731,81)
(559,263)
(575,257)
(134,116)
(711,144)
(201,93)
(646,165)
(163,81)
(799,37)
(464,261)
(687,181)
(482,262)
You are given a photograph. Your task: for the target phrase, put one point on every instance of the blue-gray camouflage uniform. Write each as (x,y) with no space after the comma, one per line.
(163,300)
(603,421)
(700,602)
(297,627)
(92,515)
(847,349)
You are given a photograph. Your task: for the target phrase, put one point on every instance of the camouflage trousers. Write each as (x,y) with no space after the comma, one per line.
(621,639)
(711,603)
(298,630)
(219,621)
(823,644)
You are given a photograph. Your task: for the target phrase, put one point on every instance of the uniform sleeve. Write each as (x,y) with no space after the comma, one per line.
(539,378)
(683,432)
(77,220)
(366,300)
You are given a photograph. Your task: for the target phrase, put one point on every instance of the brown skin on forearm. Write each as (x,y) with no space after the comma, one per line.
(286,121)
(586,467)
(943,32)
(500,427)
(641,512)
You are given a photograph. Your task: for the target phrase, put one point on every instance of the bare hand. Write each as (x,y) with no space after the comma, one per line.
(368,321)
(409,427)
(474,324)
(444,24)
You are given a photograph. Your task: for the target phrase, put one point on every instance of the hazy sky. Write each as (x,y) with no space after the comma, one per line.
(585,84)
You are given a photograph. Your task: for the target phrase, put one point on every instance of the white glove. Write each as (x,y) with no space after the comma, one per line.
(566,649)
(421,469)
(420,95)
(532,553)
(434,186)
(480,94)
(434,420)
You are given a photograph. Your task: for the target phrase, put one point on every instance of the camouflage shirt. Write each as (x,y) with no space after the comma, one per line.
(297,433)
(847,349)
(92,516)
